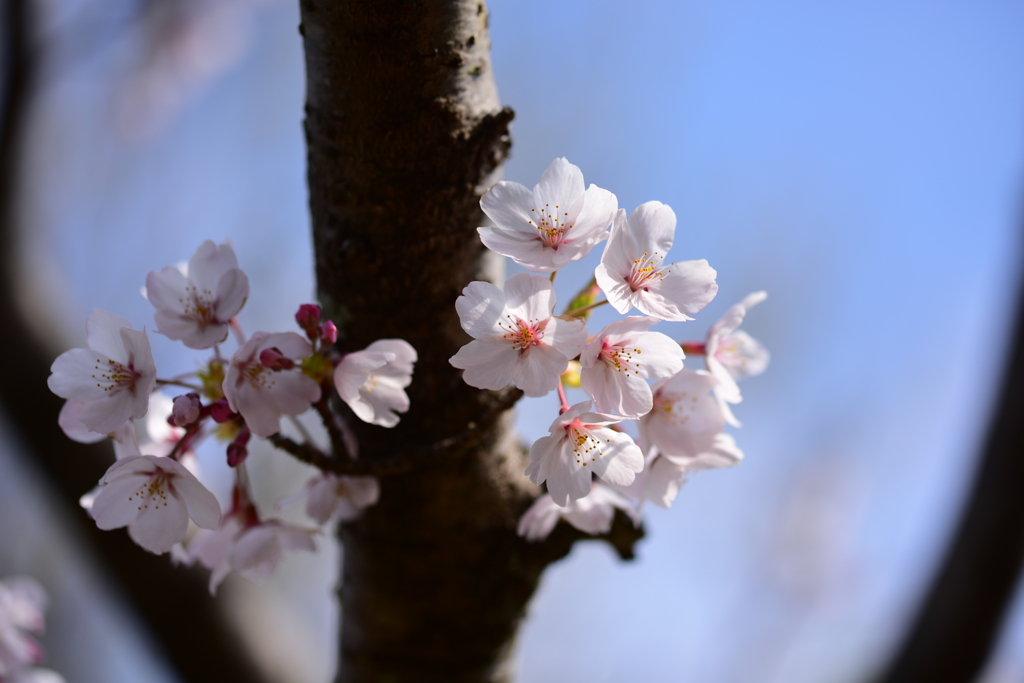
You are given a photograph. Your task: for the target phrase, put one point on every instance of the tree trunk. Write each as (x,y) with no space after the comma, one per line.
(405,133)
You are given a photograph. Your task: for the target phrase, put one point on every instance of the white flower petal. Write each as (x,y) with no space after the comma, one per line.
(481,307)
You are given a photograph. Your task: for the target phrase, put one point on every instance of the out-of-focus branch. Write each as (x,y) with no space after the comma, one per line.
(958,623)
(174,603)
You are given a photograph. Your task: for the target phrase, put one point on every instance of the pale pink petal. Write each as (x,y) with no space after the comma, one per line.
(653,226)
(544,457)
(202,505)
(537,523)
(402,364)
(687,287)
(488,363)
(616,392)
(508,204)
(537,372)
(160,524)
(561,183)
(231,294)
(209,263)
(72,426)
(108,413)
(103,334)
(592,223)
(73,375)
(481,307)
(615,287)
(620,458)
(164,289)
(529,297)
(525,249)
(567,336)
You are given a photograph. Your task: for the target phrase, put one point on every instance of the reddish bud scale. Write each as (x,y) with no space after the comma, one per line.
(693,348)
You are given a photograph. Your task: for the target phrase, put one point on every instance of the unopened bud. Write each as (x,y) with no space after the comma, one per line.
(186,409)
(221,412)
(273,359)
(237,451)
(308,318)
(328,332)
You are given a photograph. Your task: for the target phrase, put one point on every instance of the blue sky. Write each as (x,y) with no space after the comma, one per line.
(861,162)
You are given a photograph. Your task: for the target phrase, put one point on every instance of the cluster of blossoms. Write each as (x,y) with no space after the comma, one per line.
(152,487)
(591,466)
(22,602)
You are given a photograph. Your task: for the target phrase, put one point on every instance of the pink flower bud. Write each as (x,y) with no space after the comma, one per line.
(221,412)
(186,409)
(308,318)
(328,332)
(237,451)
(272,359)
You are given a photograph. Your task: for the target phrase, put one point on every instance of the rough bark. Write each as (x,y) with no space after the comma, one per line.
(182,619)
(958,623)
(405,133)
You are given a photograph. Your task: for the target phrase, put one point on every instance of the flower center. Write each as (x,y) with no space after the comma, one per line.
(111,375)
(199,305)
(153,492)
(551,225)
(646,271)
(584,443)
(257,375)
(675,406)
(522,333)
(730,352)
(620,358)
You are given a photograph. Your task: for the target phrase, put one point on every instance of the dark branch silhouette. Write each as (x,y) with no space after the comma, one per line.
(958,623)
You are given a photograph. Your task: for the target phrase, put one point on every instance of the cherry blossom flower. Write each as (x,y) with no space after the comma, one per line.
(665,475)
(732,354)
(195,306)
(557,223)
(618,358)
(22,601)
(592,514)
(632,272)
(245,544)
(114,376)
(580,444)
(372,382)
(516,337)
(685,418)
(261,394)
(154,497)
(328,495)
(71,424)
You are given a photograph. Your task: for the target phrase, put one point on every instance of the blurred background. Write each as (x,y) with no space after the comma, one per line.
(862,163)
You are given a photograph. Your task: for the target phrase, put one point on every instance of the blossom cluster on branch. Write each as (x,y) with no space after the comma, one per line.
(22,602)
(152,487)
(589,463)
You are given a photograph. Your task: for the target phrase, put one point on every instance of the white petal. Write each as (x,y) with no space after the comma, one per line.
(538,521)
(661,356)
(160,525)
(620,459)
(508,204)
(488,363)
(614,287)
(72,426)
(687,287)
(231,294)
(209,263)
(567,336)
(561,183)
(529,297)
(73,375)
(525,249)
(108,413)
(664,481)
(202,505)
(405,356)
(653,226)
(103,334)
(481,307)
(593,221)
(165,289)
(537,372)
(616,392)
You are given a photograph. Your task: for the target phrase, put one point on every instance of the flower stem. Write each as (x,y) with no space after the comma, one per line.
(176,383)
(693,348)
(561,397)
(577,313)
(553,274)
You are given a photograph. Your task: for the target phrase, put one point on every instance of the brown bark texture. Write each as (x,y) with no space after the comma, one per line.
(405,133)
(181,617)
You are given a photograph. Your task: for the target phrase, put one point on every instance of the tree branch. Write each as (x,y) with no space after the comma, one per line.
(958,623)
(405,133)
